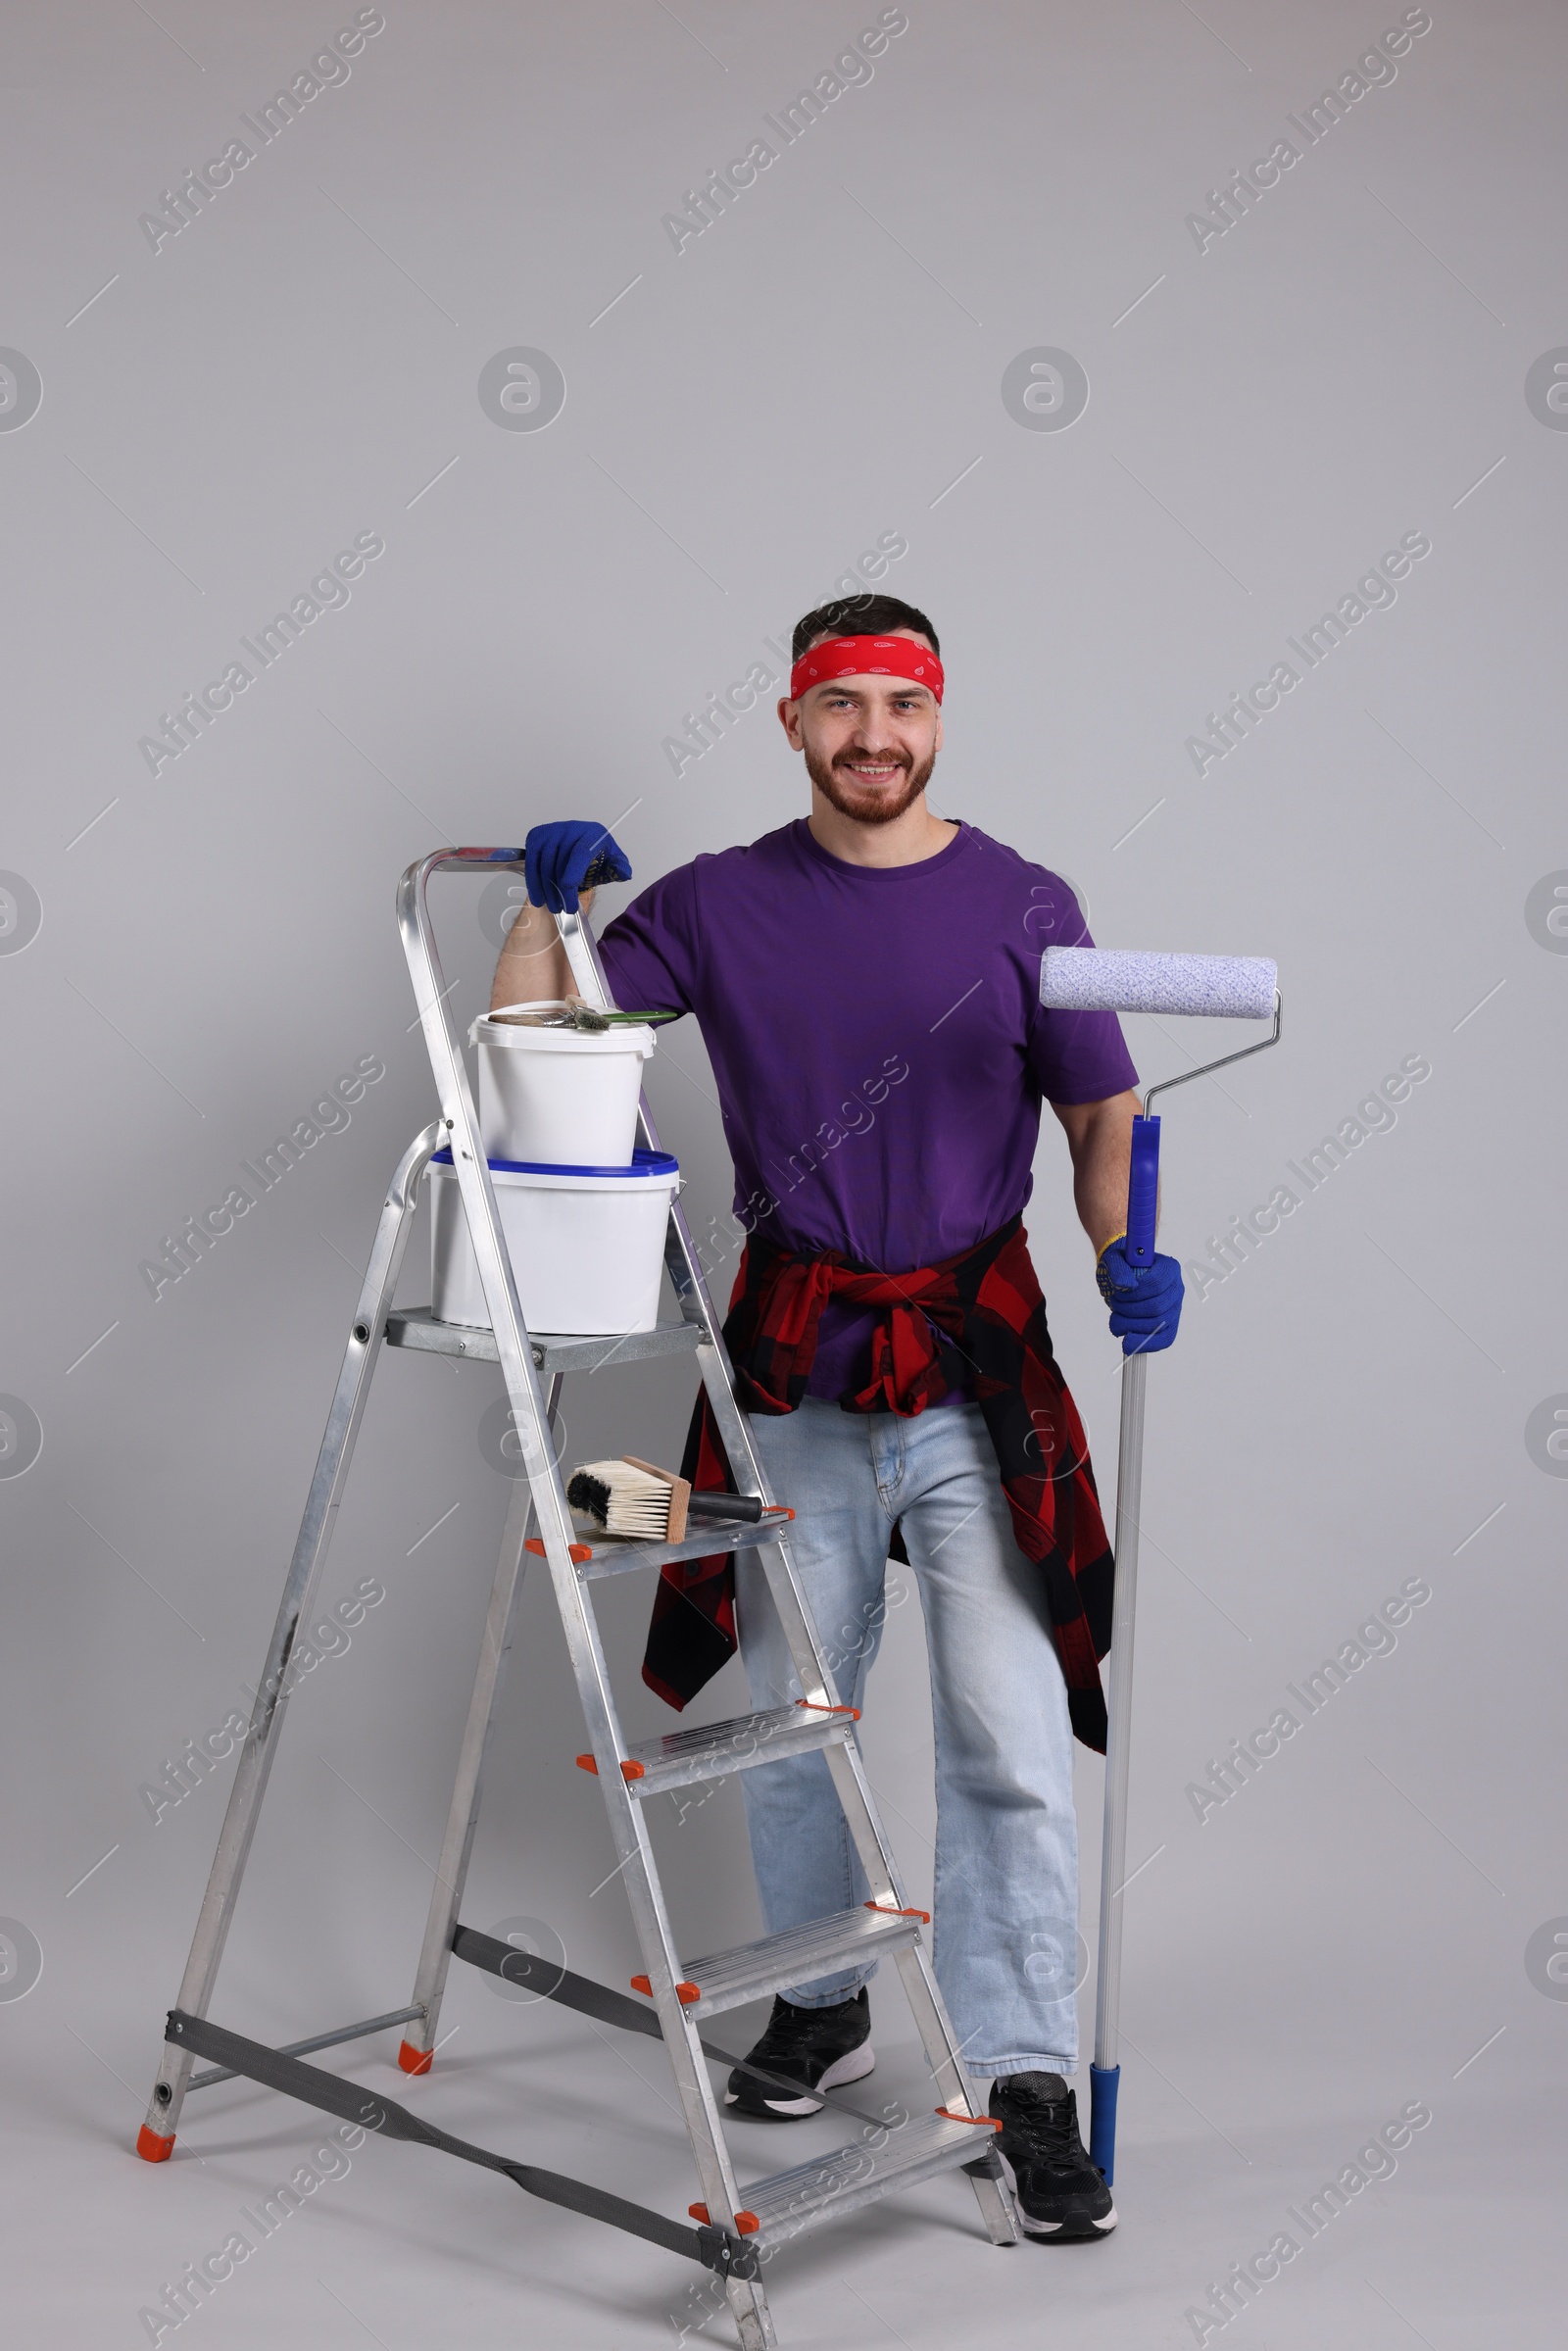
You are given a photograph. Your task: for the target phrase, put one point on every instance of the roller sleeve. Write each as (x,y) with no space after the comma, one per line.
(1100,979)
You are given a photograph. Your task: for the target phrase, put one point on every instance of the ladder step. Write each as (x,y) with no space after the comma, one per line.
(683,1757)
(606,1555)
(416,1327)
(857,2175)
(729,1979)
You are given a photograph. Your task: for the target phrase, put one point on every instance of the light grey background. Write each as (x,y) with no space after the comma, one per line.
(822,366)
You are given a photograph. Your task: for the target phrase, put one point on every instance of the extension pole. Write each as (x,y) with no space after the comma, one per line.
(1104,2074)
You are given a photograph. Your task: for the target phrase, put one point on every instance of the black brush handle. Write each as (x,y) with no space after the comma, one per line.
(724,1505)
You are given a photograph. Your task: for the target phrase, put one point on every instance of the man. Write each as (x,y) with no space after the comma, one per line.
(867,981)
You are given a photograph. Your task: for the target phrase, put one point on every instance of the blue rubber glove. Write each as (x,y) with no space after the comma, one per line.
(1144,1301)
(563,859)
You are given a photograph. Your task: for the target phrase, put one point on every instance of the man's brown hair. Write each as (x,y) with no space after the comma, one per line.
(865,615)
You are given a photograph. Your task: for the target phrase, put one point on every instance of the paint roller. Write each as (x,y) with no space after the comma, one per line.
(1094,979)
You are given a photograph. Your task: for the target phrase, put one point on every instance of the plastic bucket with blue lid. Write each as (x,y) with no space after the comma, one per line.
(587,1243)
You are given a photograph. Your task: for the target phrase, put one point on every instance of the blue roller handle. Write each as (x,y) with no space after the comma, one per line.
(1143,1192)
(1104,2083)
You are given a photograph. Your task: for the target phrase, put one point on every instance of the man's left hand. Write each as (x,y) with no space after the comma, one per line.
(1144,1301)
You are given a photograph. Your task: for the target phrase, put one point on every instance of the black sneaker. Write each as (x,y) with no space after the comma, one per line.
(817,2047)
(1059,2192)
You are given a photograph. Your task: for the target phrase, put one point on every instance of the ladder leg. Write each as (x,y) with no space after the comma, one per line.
(944,2062)
(157,2139)
(754,2322)
(457,1845)
(656,1936)
(639,1875)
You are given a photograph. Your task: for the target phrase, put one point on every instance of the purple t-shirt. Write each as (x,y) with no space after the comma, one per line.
(878,1040)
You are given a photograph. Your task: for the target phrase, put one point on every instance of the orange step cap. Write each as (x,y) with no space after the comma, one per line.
(685,1992)
(746,2223)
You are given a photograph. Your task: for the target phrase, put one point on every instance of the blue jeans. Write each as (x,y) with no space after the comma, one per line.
(1006,1937)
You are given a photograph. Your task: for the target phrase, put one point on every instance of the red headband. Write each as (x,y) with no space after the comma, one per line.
(866,656)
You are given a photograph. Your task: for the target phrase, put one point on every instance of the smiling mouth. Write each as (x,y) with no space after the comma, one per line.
(871,771)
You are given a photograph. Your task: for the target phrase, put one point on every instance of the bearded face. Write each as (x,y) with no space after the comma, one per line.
(869,743)
(872,784)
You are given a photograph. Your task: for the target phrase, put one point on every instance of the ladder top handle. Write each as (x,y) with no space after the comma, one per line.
(455,860)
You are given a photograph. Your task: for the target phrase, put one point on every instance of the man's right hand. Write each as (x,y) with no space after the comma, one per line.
(564,857)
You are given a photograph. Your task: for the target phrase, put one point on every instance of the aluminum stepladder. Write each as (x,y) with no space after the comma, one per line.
(742,2225)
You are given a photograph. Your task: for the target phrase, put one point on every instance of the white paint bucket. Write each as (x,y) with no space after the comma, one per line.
(587,1243)
(559,1098)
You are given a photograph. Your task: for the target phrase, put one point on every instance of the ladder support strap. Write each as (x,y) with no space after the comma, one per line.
(549,1982)
(552,1983)
(714,2248)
